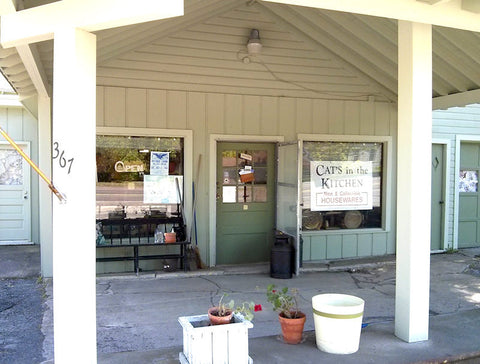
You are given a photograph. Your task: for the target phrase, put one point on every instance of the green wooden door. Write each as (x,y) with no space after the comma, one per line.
(438,205)
(245,207)
(469,197)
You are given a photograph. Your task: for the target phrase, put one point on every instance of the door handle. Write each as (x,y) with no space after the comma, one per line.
(441,202)
(25,195)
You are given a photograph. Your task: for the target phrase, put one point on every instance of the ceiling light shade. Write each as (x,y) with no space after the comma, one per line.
(254,46)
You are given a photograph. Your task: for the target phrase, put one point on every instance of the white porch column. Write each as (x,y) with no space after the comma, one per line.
(414,180)
(45,195)
(73,156)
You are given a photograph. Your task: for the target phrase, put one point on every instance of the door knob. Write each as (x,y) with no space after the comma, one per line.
(25,195)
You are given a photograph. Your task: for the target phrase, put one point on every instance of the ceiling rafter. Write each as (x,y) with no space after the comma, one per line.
(444,70)
(454,56)
(146,33)
(382,82)
(358,33)
(447,14)
(468,42)
(440,86)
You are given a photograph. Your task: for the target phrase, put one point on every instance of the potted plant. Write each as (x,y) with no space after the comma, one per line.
(291,319)
(223,312)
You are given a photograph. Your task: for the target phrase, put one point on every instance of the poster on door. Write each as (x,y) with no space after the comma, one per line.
(341,185)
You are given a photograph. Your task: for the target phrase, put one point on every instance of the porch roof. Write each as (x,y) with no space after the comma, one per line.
(364,46)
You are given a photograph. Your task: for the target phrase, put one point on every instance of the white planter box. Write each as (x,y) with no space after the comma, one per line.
(220,344)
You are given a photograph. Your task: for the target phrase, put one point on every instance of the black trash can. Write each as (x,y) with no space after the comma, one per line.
(281,257)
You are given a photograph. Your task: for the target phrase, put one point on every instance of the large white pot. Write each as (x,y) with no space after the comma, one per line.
(338,322)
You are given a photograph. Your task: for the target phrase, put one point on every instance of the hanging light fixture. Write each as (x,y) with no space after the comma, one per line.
(254,46)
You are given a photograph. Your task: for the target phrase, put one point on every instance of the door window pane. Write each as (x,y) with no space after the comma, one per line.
(260,175)
(229,158)
(260,158)
(468,181)
(229,194)
(260,193)
(230,176)
(244,194)
(11,170)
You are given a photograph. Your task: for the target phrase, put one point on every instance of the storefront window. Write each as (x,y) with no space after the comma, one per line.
(342,185)
(138,176)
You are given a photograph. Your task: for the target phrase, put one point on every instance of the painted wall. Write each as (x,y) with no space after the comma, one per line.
(20,125)
(217,113)
(447,124)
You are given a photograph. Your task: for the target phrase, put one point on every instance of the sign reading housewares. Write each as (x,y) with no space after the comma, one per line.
(340,185)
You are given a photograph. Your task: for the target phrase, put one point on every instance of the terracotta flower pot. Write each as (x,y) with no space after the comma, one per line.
(292,329)
(219,320)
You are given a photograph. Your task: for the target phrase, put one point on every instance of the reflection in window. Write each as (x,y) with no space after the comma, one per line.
(468,181)
(244,176)
(123,163)
(350,217)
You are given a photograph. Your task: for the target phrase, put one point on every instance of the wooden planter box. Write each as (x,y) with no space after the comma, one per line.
(204,344)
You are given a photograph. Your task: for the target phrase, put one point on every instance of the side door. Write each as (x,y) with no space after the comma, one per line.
(438,203)
(15,208)
(469,196)
(245,202)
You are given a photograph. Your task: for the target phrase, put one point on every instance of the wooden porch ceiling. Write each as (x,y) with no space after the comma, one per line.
(365,45)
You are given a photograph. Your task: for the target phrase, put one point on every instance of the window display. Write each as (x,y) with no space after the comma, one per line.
(138,176)
(342,185)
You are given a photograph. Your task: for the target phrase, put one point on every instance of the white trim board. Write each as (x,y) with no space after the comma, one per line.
(459,139)
(16,242)
(446,195)
(212,176)
(188,154)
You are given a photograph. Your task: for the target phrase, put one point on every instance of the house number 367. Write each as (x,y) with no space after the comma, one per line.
(60,154)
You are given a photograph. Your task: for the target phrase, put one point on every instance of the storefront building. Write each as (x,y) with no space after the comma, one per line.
(318,132)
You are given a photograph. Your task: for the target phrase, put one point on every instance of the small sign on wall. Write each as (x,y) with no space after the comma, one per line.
(341,185)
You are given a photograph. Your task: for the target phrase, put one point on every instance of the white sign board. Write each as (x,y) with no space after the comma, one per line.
(340,185)
(161,189)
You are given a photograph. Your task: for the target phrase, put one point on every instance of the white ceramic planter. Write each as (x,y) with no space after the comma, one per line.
(203,344)
(338,322)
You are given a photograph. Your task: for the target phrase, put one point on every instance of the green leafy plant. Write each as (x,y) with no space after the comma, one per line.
(245,308)
(285,303)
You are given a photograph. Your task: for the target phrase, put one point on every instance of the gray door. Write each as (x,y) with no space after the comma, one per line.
(438,203)
(469,197)
(245,202)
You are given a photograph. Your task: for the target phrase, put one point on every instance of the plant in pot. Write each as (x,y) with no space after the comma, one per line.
(291,319)
(223,312)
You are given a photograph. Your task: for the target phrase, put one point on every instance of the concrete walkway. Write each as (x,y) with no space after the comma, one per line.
(137,315)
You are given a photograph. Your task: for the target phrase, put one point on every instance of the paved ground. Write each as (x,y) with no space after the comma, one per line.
(137,315)
(21,301)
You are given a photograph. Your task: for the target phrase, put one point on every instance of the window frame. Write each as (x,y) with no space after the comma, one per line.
(187,136)
(387,168)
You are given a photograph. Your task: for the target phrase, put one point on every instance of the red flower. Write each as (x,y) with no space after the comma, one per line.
(274,290)
(258,308)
